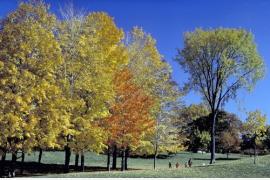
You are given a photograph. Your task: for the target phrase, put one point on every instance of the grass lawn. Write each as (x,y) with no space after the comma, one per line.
(237,166)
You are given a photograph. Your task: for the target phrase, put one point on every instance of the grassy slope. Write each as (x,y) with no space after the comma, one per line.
(233,169)
(243,167)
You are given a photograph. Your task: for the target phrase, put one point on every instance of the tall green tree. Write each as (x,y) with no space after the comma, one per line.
(220,62)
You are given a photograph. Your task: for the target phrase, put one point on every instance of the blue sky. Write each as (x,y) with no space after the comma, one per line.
(167,20)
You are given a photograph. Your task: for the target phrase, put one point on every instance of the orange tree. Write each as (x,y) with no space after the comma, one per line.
(130,116)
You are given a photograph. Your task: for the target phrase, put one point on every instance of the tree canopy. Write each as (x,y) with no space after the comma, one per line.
(220,62)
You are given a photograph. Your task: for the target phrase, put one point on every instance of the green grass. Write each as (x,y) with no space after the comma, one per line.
(92,159)
(237,166)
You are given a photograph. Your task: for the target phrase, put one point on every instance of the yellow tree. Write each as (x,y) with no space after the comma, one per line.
(93,52)
(32,113)
(153,74)
(255,128)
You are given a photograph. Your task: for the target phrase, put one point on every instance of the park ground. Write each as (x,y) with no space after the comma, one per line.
(237,165)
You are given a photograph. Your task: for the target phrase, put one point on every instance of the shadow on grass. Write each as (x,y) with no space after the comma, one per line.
(217,159)
(36,169)
(160,156)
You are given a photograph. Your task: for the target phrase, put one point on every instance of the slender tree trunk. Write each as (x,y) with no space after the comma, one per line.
(2,163)
(213,140)
(108,158)
(67,158)
(76,161)
(122,161)
(114,163)
(1,169)
(14,157)
(3,159)
(13,163)
(40,155)
(82,161)
(126,158)
(227,154)
(255,153)
(22,162)
(155,155)
(250,152)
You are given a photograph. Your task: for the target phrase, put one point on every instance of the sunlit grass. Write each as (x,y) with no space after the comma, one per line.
(232,168)
(237,166)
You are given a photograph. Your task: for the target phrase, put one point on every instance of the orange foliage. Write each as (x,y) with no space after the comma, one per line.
(130,113)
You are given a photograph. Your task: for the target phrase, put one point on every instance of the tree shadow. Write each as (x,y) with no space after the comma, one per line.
(38,169)
(229,159)
(217,159)
(160,156)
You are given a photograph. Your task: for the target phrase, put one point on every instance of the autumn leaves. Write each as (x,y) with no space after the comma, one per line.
(78,84)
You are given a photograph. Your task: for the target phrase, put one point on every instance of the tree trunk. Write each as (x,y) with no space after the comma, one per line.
(82,161)
(228,154)
(67,158)
(22,162)
(114,163)
(250,152)
(13,163)
(108,158)
(213,140)
(155,156)
(126,158)
(254,153)
(40,155)
(76,161)
(14,156)
(3,159)
(2,163)
(122,162)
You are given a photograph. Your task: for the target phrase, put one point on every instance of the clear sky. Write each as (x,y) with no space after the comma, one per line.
(167,20)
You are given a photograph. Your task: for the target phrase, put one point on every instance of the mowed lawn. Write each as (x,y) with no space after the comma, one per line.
(236,166)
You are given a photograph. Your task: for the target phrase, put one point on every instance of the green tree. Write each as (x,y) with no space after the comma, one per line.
(205,139)
(190,120)
(220,62)
(255,128)
(266,141)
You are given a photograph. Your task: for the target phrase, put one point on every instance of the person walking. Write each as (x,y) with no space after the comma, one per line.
(170,165)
